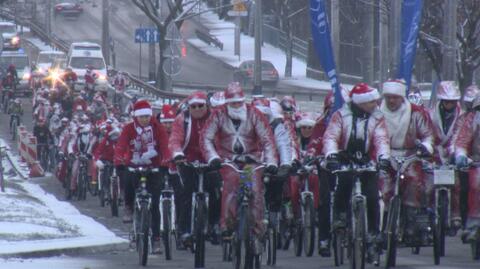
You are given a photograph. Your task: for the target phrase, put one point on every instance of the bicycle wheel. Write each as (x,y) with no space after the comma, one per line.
(391,232)
(271,245)
(143,235)
(337,243)
(242,252)
(114,193)
(82,185)
(309,227)
(14,130)
(2,180)
(226,250)
(436,243)
(199,233)
(167,229)
(359,230)
(298,240)
(102,188)
(442,208)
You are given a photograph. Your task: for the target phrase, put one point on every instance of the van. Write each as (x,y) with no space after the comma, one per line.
(22,64)
(11,39)
(81,56)
(49,58)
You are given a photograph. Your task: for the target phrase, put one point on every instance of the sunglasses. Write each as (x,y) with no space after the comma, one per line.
(306,127)
(199,106)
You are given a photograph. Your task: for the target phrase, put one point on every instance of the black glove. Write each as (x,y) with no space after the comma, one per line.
(308,159)
(333,163)
(271,169)
(383,164)
(422,151)
(179,159)
(284,170)
(215,164)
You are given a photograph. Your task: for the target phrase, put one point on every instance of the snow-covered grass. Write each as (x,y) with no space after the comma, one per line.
(225,32)
(34,220)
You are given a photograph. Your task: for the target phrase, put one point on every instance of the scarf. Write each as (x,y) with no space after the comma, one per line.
(397,123)
(239,113)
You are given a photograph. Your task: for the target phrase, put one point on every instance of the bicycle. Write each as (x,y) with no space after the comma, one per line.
(103,179)
(353,235)
(141,228)
(199,216)
(397,220)
(242,242)
(167,217)
(114,193)
(304,235)
(82,178)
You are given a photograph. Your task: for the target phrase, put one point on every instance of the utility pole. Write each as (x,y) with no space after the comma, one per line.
(394,38)
(335,30)
(152,67)
(450,41)
(368,42)
(257,74)
(48,19)
(106,31)
(383,43)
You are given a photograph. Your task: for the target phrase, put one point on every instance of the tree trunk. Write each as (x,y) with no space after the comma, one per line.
(160,83)
(288,51)
(467,77)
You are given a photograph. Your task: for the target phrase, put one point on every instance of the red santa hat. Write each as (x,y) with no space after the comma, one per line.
(448,90)
(234,93)
(305,119)
(168,114)
(362,93)
(198,97)
(470,93)
(395,87)
(142,108)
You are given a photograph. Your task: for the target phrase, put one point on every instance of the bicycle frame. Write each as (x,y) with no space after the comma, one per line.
(167,194)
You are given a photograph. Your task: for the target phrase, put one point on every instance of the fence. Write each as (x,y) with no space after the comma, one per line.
(278,38)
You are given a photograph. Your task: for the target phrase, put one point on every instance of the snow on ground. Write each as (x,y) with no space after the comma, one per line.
(39,44)
(33,220)
(224,31)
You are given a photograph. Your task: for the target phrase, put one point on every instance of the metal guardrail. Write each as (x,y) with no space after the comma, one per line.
(62,45)
(278,38)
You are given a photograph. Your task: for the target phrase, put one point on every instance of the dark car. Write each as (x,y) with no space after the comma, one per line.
(68,8)
(244,73)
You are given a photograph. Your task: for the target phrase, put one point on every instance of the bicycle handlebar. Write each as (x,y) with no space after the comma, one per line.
(142,169)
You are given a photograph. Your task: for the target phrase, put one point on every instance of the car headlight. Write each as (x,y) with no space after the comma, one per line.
(102,77)
(26,76)
(15,40)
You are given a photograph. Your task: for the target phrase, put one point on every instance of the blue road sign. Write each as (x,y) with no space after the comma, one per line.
(147,35)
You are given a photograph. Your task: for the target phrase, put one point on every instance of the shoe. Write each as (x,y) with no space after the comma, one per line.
(455,227)
(214,237)
(157,245)
(371,254)
(324,248)
(257,246)
(127,215)
(186,240)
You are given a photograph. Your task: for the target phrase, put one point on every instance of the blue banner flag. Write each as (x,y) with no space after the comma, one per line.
(411,17)
(323,46)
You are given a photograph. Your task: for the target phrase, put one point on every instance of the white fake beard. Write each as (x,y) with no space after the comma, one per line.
(237,113)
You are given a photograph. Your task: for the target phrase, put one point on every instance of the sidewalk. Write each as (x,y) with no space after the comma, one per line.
(34,223)
(225,32)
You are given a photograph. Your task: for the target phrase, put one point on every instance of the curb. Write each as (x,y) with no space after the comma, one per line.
(68,251)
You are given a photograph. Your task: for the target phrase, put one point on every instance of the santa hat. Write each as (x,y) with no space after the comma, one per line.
(305,119)
(197,97)
(217,99)
(395,87)
(362,93)
(168,114)
(234,93)
(142,108)
(470,93)
(263,105)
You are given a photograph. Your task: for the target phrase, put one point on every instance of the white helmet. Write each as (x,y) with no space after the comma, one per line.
(448,90)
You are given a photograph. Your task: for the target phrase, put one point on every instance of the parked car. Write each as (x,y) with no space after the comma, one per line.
(11,39)
(68,8)
(244,73)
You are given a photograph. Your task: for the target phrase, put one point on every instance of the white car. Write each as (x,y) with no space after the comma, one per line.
(11,39)
(47,59)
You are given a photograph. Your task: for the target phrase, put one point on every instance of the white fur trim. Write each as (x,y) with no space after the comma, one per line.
(395,88)
(366,97)
(197,101)
(235,99)
(143,112)
(166,120)
(305,122)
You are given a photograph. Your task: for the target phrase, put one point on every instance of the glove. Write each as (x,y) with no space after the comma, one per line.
(422,151)
(179,159)
(215,164)
(271,169)
(383,164)
(461,161)
(284,170)
(136,160)
(149,154)
(333,163)
(61,155)
(308,158)
(99,164)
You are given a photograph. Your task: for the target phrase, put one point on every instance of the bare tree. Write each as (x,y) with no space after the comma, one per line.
(468,31)
(176,9)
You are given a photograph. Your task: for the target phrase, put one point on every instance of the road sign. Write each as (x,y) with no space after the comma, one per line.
(239,9)
(147,35)
(172,66)
(173,34)
(233,13)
